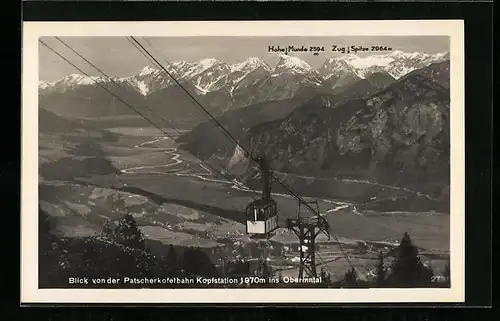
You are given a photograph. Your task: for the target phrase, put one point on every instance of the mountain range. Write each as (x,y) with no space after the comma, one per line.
(219,86)
(379,128)
(238,121)
(384,118)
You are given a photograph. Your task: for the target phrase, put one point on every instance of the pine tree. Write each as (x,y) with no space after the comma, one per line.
(408,270)
(351,278)
(107,231)
(380,271)
(127,233)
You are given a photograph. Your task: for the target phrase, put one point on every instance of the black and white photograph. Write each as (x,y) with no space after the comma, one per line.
(244,158)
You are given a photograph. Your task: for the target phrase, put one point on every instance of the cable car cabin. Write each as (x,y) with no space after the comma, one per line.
(262,214)
(262,218)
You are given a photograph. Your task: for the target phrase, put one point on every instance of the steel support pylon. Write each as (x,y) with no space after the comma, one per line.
(307,229)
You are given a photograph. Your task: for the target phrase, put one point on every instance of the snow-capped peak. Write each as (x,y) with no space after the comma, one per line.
(386,59)
(71,80)
(148,70)
(206,63)
(369,61)
(77,79)
(180,64)
(334,63)
(336,67)
(71,77)
(211,74)
(292,63)
(249,64)
(201,66)
(396,63)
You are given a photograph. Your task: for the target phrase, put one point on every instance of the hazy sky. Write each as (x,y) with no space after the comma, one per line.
(116,56)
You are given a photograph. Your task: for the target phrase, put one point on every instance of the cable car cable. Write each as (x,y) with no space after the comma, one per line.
(295,195)
(121,100)
(150,58)
(128,105)
(163,58)
(156,63)
(119,86)
(298,197)
(114,95)
(197,103)
(103,87)
(112,80)
(111,93)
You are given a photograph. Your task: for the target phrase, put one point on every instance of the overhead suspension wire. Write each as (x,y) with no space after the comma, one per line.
(156,126)
(121,87)
(102,86)
(228,134)
(215,171)
(200,106)
(143,51)
(245,151)
(165,60)
(155,62)
(114,95)
(167,63)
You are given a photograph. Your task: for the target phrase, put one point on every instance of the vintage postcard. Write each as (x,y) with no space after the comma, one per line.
(243,162)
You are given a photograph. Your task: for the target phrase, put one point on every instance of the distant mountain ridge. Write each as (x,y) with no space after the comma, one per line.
(238,121)
(396,63)
(397,134)
(212,74)
(221,87)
